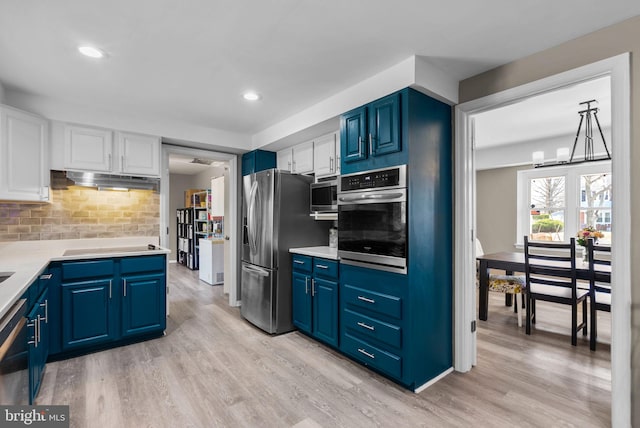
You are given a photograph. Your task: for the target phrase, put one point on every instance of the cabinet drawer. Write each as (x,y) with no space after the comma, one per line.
(325,268)
(87,269)
(142,264)
(302,263)
(386,333)
(377,302)
(372,356)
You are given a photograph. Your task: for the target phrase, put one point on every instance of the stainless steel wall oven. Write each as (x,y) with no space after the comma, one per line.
(372,219)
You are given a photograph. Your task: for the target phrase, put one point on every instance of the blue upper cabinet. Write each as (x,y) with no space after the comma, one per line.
(384,126)
(353,133)
(257,160)
(369,134)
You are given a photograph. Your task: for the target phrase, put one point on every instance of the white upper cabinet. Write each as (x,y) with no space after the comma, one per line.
(95,149)
(284,160)
(326,158)
(24,161)
(302,158)
(88,149)
(139,154)
(297,159)
(217,197)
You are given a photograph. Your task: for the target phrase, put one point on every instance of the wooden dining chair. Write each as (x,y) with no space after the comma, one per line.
(550,270)
(599,285)
(506,284)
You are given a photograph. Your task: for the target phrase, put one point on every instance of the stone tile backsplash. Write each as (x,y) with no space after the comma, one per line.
(82,212)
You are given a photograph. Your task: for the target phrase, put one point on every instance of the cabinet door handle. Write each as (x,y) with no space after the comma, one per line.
(370,144)
(331,164)
(313,287)
(367,326)
(294,166)
(39,329)
(122,162)
(124,287)
(110,289)
(306,285)
(322,266)
(46,311)
(289,165)
(365,299)
(362,351)
(35,333)
(109,161)
(359,145)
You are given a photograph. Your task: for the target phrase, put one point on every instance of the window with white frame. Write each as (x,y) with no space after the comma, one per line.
(555,202)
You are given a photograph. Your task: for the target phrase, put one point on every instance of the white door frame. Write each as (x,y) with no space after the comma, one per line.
(618,68)
(230,223)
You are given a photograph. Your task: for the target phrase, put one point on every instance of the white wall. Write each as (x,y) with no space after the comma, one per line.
(2,92)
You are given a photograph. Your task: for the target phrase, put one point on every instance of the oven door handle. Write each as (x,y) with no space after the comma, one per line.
(373,196)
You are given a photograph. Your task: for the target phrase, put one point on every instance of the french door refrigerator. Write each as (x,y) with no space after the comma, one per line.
(275,217)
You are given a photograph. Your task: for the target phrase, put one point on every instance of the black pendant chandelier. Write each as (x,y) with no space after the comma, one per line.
(587,117)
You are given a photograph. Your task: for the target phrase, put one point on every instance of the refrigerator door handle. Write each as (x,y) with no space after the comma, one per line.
(256,270)
(251,224)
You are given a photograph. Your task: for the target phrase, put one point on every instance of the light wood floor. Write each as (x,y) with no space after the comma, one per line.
(213,369)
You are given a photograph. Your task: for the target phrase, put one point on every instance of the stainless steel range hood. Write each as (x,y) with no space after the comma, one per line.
(113,182)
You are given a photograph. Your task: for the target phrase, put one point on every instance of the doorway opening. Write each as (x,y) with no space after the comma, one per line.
(198,214)
(466,218)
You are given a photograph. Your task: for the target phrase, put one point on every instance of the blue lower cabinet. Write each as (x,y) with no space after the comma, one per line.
(315,298)
(325,310)
(104,302)
(38,340)
(301,298)
(88,313)
(373,356)
(143,304)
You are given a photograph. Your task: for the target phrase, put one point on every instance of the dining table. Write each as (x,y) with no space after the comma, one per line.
(513,262)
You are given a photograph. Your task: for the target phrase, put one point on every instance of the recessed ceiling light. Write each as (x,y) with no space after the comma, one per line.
(251,96)
(90,51)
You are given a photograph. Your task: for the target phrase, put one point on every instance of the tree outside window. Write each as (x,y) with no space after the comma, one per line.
(595,206)
(547,215)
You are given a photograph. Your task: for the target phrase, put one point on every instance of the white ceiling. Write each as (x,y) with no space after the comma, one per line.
(191,61)
(547,115)
(180,164)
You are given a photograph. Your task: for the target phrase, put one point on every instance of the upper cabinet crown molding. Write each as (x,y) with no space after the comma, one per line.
(95,149)
(24,160)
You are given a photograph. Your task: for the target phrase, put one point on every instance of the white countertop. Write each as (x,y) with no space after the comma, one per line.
(325,252)
(28,259)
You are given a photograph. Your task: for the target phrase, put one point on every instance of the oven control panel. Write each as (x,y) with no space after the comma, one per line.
(378,179)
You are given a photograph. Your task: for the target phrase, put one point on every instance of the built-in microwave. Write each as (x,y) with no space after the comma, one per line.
(324,197)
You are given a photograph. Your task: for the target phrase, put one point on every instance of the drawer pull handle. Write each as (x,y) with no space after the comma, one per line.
(298,262)
(367,326)
(366,299)
(362,351)
(322,266)
(46,276)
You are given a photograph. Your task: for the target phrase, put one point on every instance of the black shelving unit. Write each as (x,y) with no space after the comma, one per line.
(193,223)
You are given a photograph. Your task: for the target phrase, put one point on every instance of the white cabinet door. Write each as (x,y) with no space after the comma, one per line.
(302,158)
(284,160)
(24,160)
(88,149)
(139,154)
(217,197)
(324,155)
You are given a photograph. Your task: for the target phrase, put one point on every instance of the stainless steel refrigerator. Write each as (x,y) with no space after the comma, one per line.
(275,217)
